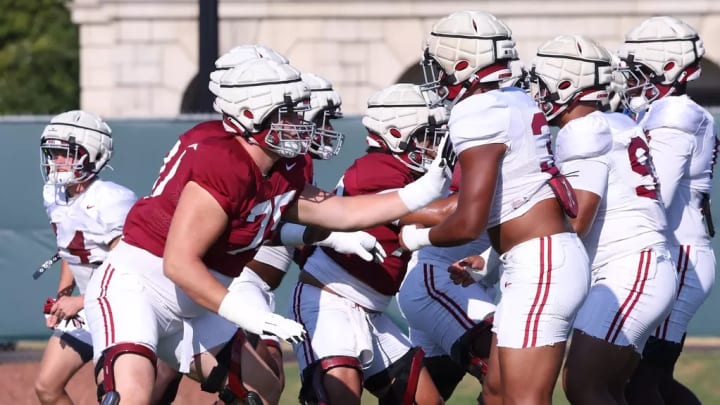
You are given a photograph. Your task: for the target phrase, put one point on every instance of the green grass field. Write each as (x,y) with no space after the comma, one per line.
(699,369)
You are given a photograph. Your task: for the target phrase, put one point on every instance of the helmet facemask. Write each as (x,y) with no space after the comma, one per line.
(64,164)
(326,141)
(424,147)
(74,147)
(289,135)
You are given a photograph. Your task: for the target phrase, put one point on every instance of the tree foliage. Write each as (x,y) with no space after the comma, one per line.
(39,63)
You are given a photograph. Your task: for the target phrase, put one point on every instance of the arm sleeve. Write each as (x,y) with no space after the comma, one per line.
(671,151)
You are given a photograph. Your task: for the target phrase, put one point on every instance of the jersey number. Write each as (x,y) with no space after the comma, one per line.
(640,163)
(266,210)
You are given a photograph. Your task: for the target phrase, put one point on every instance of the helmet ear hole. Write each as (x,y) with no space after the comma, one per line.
(669,66)
(461,65)
(564,84)
(248,114)
(395,132)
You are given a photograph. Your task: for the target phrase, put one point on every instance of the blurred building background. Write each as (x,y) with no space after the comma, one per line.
(139,58)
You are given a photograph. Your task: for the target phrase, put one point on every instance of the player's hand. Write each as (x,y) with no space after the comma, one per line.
(412,238)
(67,307)
(283,328)
(431,186)
(468,270)
(358,243)
(258,321)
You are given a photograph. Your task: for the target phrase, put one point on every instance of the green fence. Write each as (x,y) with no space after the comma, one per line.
(26,239)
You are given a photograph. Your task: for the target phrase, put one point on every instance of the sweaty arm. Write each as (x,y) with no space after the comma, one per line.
(480,166)
(433,213)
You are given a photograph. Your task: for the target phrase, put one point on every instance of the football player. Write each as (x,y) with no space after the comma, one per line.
(451,323)
(263,274)
(510,187)
(620,218)
(163,290)
(87,216)
(662,55)
(340,299)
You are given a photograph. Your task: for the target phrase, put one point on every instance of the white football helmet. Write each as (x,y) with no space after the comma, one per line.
(243,53)
(264,101)
(325,105)
(569,69)
(520,77)
(74,147)
(464,48)
(401,120)
(662,54)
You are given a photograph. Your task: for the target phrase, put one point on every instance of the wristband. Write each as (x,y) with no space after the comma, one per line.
(415,238)
(292,234)
(415,195)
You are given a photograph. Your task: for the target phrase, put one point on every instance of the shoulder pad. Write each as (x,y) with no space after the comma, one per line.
(478,120)
(675,112)
(584,138)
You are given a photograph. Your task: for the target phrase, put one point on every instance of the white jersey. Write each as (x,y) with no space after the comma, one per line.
(607,154)
(510,117)
(85,225)
(683,144)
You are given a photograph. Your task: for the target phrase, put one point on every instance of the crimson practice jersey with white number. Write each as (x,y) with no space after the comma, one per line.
(630,215)
(216,161)
(371,285)
(508,116)
(86,224)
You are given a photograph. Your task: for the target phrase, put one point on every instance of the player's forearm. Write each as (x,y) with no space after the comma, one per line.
(66,285)
(354,213)
(194,278)
(432,214)
(456,230)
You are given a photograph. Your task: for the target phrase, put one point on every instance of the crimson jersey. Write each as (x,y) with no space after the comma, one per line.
(370,174)
(217,162)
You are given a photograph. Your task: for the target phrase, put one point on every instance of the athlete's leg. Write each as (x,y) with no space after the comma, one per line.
(59,363)
(544,283)
(492,383)
(596,370)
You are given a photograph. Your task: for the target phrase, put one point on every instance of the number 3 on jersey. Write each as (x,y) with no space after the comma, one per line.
(641,163)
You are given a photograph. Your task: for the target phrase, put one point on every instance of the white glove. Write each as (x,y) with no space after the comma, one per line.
(414,238)
(355,243)
(431,186)
(259,322)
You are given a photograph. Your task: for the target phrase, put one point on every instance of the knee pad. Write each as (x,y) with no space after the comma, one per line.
(107,362)
(313,391)
(398,383)
(662,353)
(445,373)
(473,348)
(229,366)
